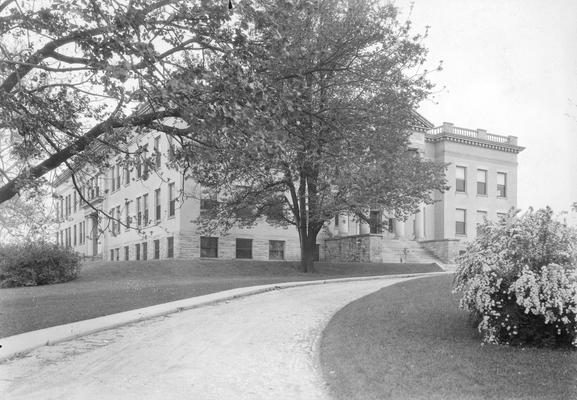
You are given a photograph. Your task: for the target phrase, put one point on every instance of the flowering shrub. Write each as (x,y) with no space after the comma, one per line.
(519,281)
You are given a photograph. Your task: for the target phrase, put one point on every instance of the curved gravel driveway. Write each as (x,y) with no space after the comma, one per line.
(257,347)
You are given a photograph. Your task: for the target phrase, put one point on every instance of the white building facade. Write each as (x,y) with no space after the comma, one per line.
(158,209)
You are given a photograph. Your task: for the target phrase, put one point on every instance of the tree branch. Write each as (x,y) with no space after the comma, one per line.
(12,187)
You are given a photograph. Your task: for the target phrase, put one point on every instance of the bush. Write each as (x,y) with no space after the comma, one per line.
(32,264)
(519,281)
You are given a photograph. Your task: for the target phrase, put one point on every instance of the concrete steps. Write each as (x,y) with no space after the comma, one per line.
(394,252)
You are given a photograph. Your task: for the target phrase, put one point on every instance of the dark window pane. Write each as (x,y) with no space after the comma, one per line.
(460,228)
(156,249)
(375,222)
(170,247)
(208,246)
(243,248)
(208,204)
(460,185)
(481,188)
(276,250)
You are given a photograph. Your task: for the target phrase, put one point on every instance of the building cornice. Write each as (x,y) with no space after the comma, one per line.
(479,138)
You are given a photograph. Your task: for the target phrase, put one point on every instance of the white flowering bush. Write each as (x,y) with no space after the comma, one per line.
(518,280)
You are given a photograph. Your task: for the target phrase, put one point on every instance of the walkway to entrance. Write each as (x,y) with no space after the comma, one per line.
(257,347)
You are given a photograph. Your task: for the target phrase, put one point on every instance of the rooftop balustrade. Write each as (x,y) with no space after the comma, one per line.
(449,129)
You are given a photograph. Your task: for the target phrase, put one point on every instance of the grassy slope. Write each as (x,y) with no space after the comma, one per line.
(410,341)
(105,288)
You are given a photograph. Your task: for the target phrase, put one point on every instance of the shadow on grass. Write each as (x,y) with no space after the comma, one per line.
(410,341)
(104,288)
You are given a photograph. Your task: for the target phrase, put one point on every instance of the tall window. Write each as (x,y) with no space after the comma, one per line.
(208,246)
(144,250)
(75,201)
(156,249)
(461,179)
(243,248)
(170,247)
(138,167)
(482,182)
(157,155)
(145,207)
(137,250)
(127,214)
(118,177)
(119,217)
(501,184)
(276,249)
(461,221)
(126,175)
(112,180)
(145,160)
(157,204)
(96,181)
(74,235)
(126,253)
(138,212)
(375,222)
(337,220)
(208,201)
(112,221)
(171,200)
(481,218)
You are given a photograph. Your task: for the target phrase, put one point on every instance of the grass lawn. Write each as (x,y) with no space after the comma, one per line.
(106,288)
(410,341)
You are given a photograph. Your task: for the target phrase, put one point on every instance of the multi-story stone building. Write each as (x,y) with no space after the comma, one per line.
(164,207)
(482,175)
(157,209)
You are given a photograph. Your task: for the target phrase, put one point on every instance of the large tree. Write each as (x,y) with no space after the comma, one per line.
(314,119)
(72,73)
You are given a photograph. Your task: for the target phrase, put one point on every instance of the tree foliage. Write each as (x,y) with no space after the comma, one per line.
(322,96)
(72,73)
(293,110)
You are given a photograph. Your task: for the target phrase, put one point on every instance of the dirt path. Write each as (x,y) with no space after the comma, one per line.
(258,347)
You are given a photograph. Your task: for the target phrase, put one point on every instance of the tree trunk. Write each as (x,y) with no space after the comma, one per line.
(308,247)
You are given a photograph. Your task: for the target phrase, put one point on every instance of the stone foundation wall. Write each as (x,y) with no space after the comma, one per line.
(446,249)
(357,248)
(190,246)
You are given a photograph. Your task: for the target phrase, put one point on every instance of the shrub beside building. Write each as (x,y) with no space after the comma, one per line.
(37,263)
(518,280)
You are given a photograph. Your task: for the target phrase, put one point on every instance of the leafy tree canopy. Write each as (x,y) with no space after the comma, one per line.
(72,73)
(315,118)
(293,110)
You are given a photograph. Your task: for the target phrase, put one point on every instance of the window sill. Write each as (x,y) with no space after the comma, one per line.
(482,195)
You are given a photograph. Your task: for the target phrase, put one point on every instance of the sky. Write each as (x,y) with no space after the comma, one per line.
(510,67)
